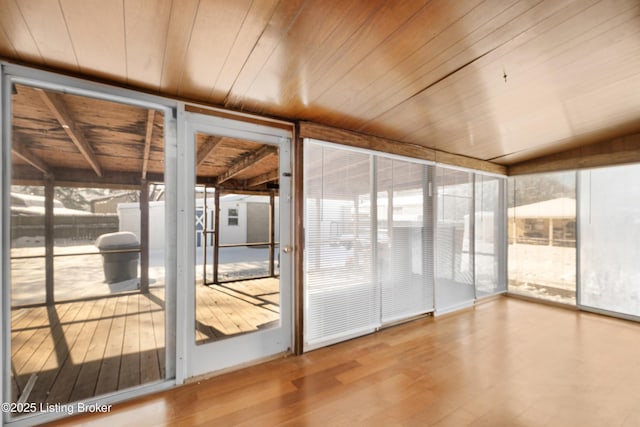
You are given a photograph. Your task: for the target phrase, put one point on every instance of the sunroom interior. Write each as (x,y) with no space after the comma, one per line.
(439,155)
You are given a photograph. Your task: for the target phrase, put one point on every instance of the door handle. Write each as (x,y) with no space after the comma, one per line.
(287,249)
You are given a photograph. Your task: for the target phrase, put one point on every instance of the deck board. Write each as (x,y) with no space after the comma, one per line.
(130,358)
(37,359)
(149,364)
(88,348)
(110,367)
(63,387)
(158,318)
(65,331)
(238,307)
(88,376)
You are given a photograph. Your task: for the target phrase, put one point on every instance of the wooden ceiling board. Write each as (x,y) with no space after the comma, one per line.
(215,29)
(558,99)
(460,89)
(426,73)
(98,34)
(387,61)
(29,111)
(6,48)
(61,156)
(227,153)
(475,92)
(182,16)
(233,147)
(146,31)
(253,25)
(288,66)
(272,35)
(18,33)
(49,31)
(381,23)
(210,170)
(261,167)
(460,41)
(309,45)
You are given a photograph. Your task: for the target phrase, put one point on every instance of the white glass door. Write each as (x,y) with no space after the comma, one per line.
(238,287)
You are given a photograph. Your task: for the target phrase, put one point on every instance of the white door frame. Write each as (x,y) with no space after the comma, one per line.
(196,360)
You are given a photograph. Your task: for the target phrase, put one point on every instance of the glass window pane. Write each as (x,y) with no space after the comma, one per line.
(454,259)
(341,298)
(86,319)
(237,226)
(609,237)
(405,277)
(488,226)
(542,236)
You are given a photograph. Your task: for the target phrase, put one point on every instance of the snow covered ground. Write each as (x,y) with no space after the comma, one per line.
(541,271)
(82,276)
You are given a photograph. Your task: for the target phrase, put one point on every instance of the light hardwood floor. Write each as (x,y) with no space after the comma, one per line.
(505,363)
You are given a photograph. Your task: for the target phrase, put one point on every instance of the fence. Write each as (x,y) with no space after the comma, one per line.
(70,227)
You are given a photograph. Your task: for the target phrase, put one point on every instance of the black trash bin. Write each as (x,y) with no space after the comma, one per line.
(119,266)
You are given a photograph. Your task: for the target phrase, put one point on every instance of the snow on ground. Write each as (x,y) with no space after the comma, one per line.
(541,271)
(82,276)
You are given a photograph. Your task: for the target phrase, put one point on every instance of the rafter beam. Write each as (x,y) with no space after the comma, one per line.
(262,179)
(20,150)
(151,114)
(58,107)
(65,177)
(244,163)
(206,148)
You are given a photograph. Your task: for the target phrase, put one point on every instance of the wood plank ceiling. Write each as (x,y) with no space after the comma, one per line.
(500,80)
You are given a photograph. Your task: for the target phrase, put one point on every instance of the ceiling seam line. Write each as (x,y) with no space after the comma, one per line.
(285,32)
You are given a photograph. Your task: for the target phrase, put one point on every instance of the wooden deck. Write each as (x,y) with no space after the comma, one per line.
(82,349)
(235,308)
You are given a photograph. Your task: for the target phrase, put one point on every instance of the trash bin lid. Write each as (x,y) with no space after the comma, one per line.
(121,239)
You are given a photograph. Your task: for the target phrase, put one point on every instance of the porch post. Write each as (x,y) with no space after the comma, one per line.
(272,232)
(144,236)
(48,239)
(216,234)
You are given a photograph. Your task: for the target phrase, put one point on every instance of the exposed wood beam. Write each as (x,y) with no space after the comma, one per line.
(617,151)
(252,192)
(24,175)
(151,114)
(234,186)
(375,143)
(206,148)
(20,150)
(264,178)
(58,107)
(244,163)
